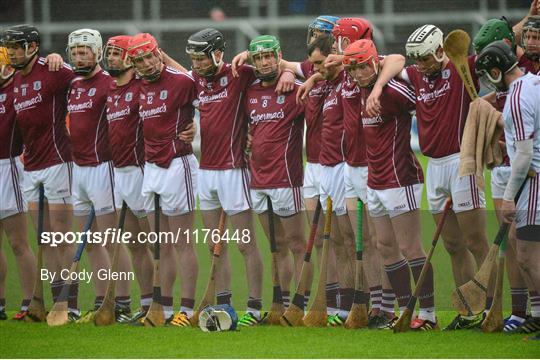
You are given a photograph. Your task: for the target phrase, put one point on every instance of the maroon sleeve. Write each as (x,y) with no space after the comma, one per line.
(307,68)
(188,85)
(63,78)
(246,73)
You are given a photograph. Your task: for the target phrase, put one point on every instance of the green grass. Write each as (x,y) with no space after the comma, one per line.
(38,340)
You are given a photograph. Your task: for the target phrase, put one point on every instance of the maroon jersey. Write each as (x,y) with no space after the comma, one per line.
(87,119)
(442,105)
(313,115)
(166,109)
(333,131)
(40,104)
(125,125)
(392,162)
(10,136)
(355,153)
(277,126)
(527,65)
(221,107)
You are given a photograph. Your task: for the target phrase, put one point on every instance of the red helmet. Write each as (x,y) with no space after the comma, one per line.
(121,42)
(352,29)
(141,44)
(360,51)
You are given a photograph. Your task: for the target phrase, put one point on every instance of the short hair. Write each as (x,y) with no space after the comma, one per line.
(323,43)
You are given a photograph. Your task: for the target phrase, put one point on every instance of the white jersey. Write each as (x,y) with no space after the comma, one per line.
(522,116)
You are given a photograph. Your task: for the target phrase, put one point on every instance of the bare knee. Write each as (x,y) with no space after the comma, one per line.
(453,245)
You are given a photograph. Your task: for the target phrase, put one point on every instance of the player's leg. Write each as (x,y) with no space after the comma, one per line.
(210,206)
(518,287)
(528,246)
(311,189)
(178,204)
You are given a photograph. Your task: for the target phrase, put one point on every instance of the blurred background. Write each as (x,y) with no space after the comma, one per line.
(172,21)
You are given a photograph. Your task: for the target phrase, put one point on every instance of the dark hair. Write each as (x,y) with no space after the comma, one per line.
(323,43)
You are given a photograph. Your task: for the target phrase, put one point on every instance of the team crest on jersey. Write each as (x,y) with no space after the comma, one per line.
(163,94)
(92,92)
(446,73)
(37,85)
(223,81)
(280,99)
(129,96)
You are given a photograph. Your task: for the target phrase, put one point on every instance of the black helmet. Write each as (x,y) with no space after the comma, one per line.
(20,34)
(206,42)
(498,55)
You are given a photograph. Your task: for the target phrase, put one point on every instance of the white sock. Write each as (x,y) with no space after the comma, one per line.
(517,318)
(74,311)
(147,301)
(331,311)
(427,314)
(188,311)
(168,311)
(256,313)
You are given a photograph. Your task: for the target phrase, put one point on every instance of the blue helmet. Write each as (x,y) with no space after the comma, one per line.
(323,23)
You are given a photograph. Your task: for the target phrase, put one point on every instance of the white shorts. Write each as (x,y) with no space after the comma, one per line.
(528,205)
(394,202)
(499,180)
(56,182)
(93,185)
(285,201)
(312,180)
(227,189)
(442,180)
(356,182)
(11,199)
(176,185)
(128,183)
(333,186)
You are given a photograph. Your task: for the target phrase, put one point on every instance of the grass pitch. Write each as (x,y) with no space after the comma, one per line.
(87,341)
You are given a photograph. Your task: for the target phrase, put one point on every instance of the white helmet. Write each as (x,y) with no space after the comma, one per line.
(85,37)
(423,41)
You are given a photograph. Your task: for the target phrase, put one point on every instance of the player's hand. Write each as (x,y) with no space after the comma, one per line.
(502,146)
(508,211)
(189,133)
(535,8)
(333,60)
(238,61)
(373,103)
(54,61)
(285,83)
(303,91)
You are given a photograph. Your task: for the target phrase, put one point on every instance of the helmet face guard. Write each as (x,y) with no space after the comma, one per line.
(80,43)
(497,55)
(205,43)
(360,55)
(6,71)
(142,47)
(426,40)
(115,59)
(322,24)
(260,46)
(352,29)
(22,36)
(530,38)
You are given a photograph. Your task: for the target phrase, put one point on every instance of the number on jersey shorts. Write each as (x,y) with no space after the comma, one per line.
(128,181)
(312,178)
(93,185)
(285,201)
(499,180)
(176,185)
(394,202)
(528,209)
(356,182)
(333,185)
(227,189)
(56,182)
(443,180)
(11,199)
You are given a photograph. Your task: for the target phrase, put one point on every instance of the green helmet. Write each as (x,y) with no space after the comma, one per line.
(262,44)
(493,30)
